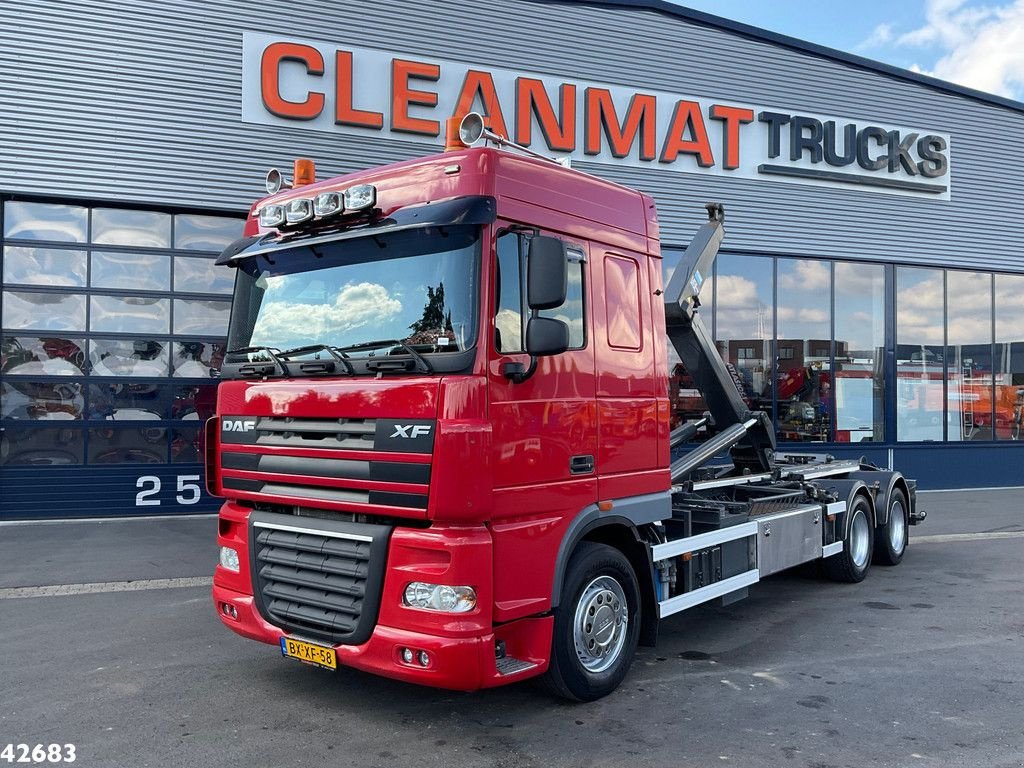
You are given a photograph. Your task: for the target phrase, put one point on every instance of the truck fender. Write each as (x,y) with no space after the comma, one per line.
(887,481)
(621,523)
(845,490)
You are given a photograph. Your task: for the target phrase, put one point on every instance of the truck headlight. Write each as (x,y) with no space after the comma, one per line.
(327,204)
(360,196)
(229,559)
(272,216)
(299,210)
(439,597)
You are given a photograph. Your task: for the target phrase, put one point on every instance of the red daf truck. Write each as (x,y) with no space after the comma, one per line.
(443,431)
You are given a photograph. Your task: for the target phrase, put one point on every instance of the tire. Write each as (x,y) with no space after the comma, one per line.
(891,538)
(851,565)
(599,584)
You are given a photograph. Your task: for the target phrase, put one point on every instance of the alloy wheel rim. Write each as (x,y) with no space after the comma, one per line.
(897,527)
(600,624)
(859,539)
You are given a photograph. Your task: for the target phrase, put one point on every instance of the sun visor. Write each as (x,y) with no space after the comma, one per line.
(474,210)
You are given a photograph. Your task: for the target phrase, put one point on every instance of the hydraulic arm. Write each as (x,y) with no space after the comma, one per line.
(746,434)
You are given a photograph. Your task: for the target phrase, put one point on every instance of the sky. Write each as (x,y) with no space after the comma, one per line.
(976,44)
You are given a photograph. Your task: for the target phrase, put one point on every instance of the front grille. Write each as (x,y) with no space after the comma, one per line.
(318,578)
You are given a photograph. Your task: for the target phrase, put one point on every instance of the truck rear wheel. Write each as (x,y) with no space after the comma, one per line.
(891,538)
(851,565)
(597,624)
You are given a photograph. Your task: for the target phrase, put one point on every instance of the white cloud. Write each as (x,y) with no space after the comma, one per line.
(880,35)
(980,47)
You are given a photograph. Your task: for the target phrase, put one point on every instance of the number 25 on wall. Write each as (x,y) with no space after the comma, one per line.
(149,487)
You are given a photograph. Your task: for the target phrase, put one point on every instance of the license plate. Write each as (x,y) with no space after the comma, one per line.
(318,655)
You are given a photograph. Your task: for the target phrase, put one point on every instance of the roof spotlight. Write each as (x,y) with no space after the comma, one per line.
(275,180)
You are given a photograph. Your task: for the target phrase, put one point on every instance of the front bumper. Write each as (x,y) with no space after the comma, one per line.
(456,663)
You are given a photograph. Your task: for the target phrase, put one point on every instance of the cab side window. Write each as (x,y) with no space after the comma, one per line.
(511,312)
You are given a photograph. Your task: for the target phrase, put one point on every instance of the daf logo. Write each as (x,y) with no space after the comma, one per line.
(239,425)
(410,431)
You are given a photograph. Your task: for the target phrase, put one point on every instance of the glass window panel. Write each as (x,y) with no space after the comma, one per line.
(49,446)
(127,445)
(198,359)
(135,271)
(117,226)
(194,316)
(1009,362)
(41,400)
(128,357)
(128,401)
(859,386)
(743,324)
(919,353)
(186,446)
(46,221)
(571,312)
(44,311)
(198,275)
(44,266)
(206,233)
(129,314)
(194,403)
(804,318)
(508,315)
(969,355)
(35,356)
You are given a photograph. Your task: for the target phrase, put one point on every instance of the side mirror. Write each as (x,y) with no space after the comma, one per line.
(547,273)
(546,336)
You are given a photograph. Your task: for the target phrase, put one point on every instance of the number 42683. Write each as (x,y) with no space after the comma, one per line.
(40,753)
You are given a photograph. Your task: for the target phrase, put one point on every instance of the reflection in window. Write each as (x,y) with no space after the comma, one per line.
(128,357)
(44,266)
(60,446)
(199,275)
(859,384)
(686,402)
(41,401)
(135,271)
(622,279)
(571,312)
(969,355)
(185,445)
(193,316)
(46,221)
(127,445)
(1009,363)
(194,403)
(804,340)
(43,311)
(205,233)
(920,341)
(113,226)
(743,321)
(508,315)
(129,314)
(35,356)
(197,359)
(127,401)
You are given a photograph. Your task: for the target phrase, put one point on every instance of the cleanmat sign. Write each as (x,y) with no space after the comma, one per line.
(346,89)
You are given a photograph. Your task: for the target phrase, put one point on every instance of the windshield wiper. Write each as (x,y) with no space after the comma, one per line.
(422,363)
(260,367)
(335,352)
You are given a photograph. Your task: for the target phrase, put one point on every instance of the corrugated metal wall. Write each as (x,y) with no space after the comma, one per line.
(140,101)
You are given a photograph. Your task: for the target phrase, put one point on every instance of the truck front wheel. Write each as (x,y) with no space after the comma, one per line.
(597,624)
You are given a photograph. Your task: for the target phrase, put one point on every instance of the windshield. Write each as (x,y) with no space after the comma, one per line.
(416,288)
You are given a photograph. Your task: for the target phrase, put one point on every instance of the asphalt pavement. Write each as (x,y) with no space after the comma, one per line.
(920,665)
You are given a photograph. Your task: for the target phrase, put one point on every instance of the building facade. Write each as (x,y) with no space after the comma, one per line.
(870,293)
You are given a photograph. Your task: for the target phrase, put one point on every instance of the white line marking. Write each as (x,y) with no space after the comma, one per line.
(63,590)
(947,537)
(132,519)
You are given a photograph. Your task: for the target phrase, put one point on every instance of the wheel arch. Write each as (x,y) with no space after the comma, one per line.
(888,481)
(847,489)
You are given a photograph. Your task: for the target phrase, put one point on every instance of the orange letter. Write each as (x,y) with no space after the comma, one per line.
(483,84)
(270,86)
(733,117)
(344,113)
(532,98)
(600,115)
(402,96)
(687,117)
